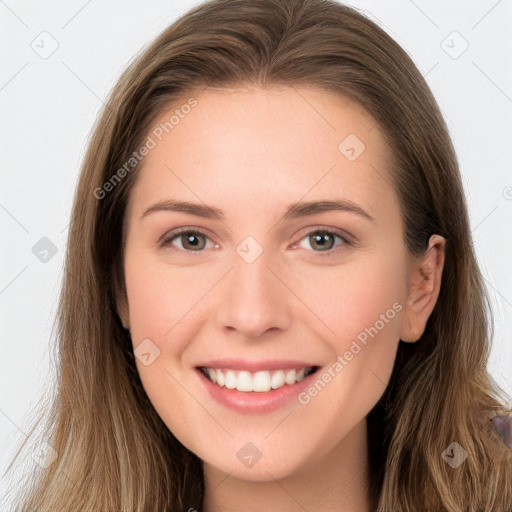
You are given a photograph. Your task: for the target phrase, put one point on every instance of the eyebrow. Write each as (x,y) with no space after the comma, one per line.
(294,210)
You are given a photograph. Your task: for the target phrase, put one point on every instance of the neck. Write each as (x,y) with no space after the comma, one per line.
(338,481)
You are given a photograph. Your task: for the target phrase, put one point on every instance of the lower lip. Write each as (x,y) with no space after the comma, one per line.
(254,402)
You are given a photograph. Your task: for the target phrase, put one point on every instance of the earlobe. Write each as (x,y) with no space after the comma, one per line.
(123,315)
(121,304)
(424,287)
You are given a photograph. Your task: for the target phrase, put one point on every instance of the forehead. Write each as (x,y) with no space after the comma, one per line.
(261,148)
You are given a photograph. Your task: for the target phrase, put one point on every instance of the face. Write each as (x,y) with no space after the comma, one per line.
(292,259)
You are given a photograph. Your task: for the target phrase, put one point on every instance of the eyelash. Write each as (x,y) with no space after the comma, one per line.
(169,237)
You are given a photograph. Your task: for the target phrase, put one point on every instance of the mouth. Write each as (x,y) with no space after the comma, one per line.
(262,381)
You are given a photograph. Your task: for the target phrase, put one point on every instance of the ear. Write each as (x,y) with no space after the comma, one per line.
(121,304)
(424,286)
(122,311)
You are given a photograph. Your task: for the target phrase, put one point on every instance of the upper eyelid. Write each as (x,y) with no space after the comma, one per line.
(335,231)
(173,233)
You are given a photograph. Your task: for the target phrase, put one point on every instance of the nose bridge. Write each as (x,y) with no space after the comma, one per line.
(255,300)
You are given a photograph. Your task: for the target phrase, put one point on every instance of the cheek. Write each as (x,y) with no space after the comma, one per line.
(363,310)
(362,306)
(163,307)
(354,301)
(161,297)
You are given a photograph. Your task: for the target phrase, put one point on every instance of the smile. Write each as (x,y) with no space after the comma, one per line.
(260,381)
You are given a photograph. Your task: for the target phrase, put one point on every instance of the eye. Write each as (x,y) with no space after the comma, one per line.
(323,241)
(187,239)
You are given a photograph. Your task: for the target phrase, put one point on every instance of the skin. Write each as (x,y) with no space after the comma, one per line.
(251,152)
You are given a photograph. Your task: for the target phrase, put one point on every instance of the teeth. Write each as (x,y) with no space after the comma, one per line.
(244,381)
(301,374)
(231,380)
(221,380)
(289,377)
(261,381)
(277,380)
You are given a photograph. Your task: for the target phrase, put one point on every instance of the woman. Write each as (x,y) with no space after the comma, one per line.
(271,298)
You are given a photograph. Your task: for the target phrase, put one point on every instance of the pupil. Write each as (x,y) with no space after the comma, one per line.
(318,240)
(192,240)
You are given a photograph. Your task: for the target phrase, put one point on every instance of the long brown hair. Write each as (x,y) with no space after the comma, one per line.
(113,451)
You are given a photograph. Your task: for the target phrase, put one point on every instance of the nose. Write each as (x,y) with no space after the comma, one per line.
(254,299)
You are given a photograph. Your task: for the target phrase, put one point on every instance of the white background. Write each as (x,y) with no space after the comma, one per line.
(48,107)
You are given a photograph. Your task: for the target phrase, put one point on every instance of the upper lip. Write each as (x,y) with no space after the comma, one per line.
(254,366)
